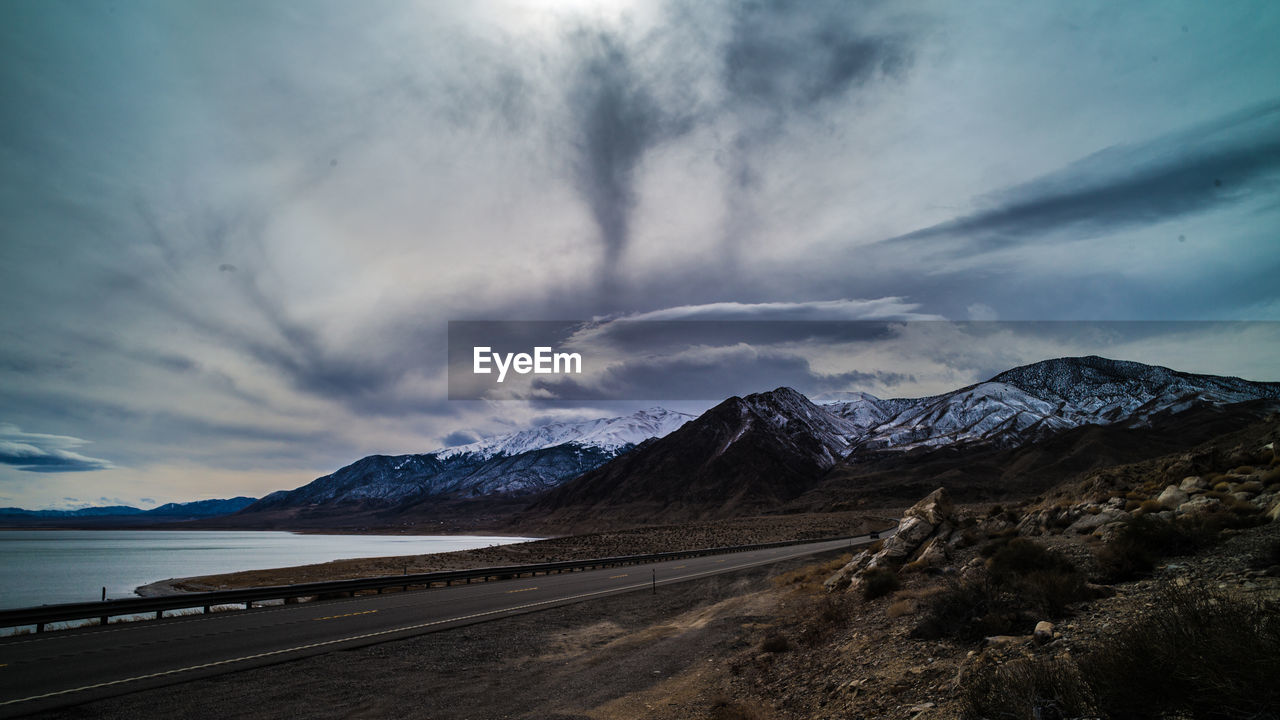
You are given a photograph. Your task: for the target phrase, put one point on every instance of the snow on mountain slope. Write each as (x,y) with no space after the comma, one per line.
(610,434)
(512,464)
(790,413)
(1033,401)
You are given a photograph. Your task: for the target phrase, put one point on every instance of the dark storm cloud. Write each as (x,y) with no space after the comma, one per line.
(779,60)
(1233,159)
(713,375)
(779,63)
(618,120)
(459,437)
(41,453)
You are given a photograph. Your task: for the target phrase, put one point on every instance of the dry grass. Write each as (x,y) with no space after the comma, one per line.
(905,606)
(808,579)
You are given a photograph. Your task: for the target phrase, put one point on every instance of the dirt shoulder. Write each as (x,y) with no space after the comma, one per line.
(743,531)
(621,656)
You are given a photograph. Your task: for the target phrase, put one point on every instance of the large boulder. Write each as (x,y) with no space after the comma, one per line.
(935,508)
(1089,523)
(1198,504)
(932,519)
(1173,496)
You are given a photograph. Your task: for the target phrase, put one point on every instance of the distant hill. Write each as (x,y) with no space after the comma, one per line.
(124,514)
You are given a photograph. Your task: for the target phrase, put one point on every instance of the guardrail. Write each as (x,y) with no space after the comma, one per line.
(43,615)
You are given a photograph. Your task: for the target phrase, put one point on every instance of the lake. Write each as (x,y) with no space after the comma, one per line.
(39,567)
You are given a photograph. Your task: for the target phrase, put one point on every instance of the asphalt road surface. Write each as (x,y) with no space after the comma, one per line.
(57,669)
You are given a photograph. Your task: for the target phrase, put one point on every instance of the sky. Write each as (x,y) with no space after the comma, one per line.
(234,232)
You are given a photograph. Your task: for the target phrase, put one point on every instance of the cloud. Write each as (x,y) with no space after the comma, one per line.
(777,64)
(778,60)
(1227,161)
(888,308)
(459,437)
(36,452)
(618,120)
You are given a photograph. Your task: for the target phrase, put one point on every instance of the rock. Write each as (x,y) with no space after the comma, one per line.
(1089,523)
(1004,641)
(934,508)
(844,575)
(994,526)
(1172,496)
(1242,495)
(1199,503)
(932,553)
(1110,531)
(1043,632)
(911,533)
(917,535)
(1195,482)
(1273,512)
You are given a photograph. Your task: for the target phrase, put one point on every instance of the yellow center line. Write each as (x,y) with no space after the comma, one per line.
(679,567)
(521,590)
(615,577)
(334,617)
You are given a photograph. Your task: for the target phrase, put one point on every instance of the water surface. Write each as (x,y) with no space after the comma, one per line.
(39,567)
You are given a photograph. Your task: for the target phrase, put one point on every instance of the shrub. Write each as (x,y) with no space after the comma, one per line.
(1026,688)
(1185,658)
(1267,556)
(1141,541)
(905,606)
(1150,506)
(775,643)
(1243,470)
(970,610)
(1024,582)
(724,707)
(878,583)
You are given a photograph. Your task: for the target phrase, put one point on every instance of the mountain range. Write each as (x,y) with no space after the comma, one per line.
(780,451)
(116,514)
(500,469)
(1017,432)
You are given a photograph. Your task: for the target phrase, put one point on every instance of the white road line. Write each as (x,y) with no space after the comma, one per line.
(126,626)
(380,633)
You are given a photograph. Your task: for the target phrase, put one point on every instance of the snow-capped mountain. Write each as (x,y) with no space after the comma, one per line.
(745,454)
(773,449)
(513,464)
(608,434)
(1034,401)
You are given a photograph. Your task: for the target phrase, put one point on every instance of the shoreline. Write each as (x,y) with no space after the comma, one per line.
(634,541)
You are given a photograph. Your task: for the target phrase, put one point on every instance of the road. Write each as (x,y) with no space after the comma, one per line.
(57,669)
